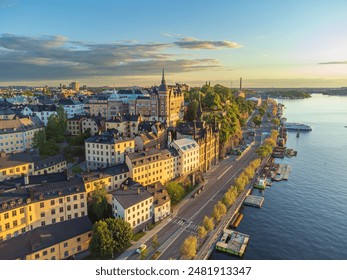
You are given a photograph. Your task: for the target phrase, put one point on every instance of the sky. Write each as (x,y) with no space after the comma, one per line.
(272,43)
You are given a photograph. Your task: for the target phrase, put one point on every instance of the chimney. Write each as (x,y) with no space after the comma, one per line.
(26,179)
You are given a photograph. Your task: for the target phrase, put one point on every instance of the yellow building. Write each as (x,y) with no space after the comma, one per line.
(17,135)
(107,150)
(127,124)
(54,242)
(20,164)
(24,207)
(153,166)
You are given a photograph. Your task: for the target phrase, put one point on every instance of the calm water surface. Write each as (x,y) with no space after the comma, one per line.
(306,216)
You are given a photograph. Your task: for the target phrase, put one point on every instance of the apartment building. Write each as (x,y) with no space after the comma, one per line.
(29,163)
(72,107)
(17,135)
(188,151)
(133,203)
(106,150)
(109,178)
(151,166)
(127,124)
(24,207)
(161,201)
(53,242)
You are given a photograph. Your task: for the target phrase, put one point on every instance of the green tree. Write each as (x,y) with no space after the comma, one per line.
(202,232)
(121,233)
(189,247)
(175,191)
(208,223)
(45,147)
(229,197)
(257,120)
(98,207)
(109,236)
(192,108)
(56,126)
(102,243)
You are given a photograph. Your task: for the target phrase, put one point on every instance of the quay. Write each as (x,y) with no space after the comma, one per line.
(283,172)
(236,220)
(233,242)
(254,201)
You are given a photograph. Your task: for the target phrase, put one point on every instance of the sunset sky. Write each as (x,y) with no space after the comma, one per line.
(271,43)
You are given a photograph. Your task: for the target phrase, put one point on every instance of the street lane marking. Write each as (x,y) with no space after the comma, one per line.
(220,176)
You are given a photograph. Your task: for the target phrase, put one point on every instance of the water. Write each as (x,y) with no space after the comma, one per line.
(306,216)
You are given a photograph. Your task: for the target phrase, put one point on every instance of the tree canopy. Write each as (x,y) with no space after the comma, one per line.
(189,247)
(175,191)
(110,236)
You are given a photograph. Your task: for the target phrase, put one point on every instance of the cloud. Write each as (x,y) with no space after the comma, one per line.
(24,58)
(192,43)
(334,62)
(170,34)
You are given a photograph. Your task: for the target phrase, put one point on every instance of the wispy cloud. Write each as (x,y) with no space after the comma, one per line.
(193,43)
(334,62)
(24,58)
(8,4)
(171,35)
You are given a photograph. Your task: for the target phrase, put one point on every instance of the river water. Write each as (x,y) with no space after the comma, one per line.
(305,217)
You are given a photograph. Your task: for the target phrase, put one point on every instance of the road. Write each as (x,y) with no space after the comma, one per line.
(185,220)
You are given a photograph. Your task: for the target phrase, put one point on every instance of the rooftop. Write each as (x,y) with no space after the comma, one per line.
(43,237)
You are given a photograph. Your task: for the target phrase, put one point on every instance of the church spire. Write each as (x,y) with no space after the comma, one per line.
(163,82)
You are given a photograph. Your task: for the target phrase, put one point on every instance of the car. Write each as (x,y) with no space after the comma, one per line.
(141,248)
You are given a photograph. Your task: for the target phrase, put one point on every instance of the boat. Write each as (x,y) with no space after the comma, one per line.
(297,126)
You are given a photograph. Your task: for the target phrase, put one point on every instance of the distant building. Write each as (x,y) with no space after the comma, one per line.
(75,86)
(107,149)
(43,112)
(72,107)
(127,124)
(17,135)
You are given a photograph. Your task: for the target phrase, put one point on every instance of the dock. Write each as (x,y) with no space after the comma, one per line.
(254,201)
(233,242)
(236,220)
(283,172)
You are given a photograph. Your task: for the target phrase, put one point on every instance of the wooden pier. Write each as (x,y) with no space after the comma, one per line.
(283,172)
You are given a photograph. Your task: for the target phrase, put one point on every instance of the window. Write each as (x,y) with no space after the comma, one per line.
(42,205)
(75,197)
(69,217)
(82,196)
(37,256)
(52,202)
(15,223)
(79,248)
(82,204)
(6,216)
(68,207)
(7,225)
(21,211)
(60,200)
(65,244)
(44,253)
(43,223)
(53,221)
(52,250)
(75,206)
(53,211)
(78,239)
(66,254)
(76,215)
(61,209)
(68,199)
(42,214)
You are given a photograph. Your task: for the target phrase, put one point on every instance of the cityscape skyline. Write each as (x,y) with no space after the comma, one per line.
(271,44)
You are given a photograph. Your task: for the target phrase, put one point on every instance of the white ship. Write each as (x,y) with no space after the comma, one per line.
(297,126)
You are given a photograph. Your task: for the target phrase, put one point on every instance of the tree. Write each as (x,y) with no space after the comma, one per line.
(192,108)
(219,211)
(99,207)
(175,191)
(121,233)
(264,151)
(189,247)
(202,232)
(275,121)
(144,254)
(102,244)
(45,147)
(257,120)
(56,126)
(110,236)
(229,197)
(208,223)
(155,242)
